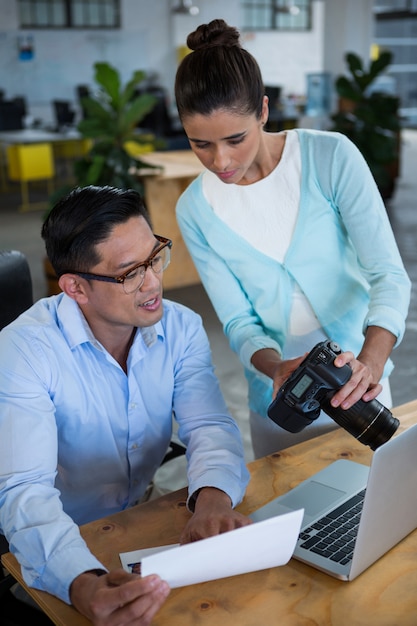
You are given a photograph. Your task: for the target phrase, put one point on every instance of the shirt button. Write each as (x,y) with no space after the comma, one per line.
(134,446)
(133,405)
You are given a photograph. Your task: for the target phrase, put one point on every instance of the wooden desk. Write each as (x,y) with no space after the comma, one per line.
(162,190)
(293,595)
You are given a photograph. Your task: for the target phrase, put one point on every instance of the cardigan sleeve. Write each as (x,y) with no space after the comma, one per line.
(242,325)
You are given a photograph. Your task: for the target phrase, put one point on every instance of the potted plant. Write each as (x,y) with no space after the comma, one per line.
(370,118)
(111,126)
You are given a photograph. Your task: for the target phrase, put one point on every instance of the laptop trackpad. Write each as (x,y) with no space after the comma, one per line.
(313,497)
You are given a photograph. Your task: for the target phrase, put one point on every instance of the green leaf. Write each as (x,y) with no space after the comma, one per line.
(354,63)
(380,64)
(108,77)
(137,111)
(346,89)
(131,86)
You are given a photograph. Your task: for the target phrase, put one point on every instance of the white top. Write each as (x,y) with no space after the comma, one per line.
(269,227)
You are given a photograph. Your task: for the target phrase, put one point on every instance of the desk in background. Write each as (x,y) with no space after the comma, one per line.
(292,595)
(32,154)
(162,188)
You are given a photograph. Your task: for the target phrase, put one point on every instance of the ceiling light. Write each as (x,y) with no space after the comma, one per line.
(288,7)
(186,7)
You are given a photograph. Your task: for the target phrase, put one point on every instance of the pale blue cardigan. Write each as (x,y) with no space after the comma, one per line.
(343,255)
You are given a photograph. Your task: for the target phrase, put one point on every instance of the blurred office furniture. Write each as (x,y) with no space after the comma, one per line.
(163,187)
(160,122)
(274,122)
(64,113)
(157,121)
(274,96)
(16,296)
(82,91)
(15,286)
(20,102)
(281,115)
(66,151)
(11,115)
(67,145)
(27,163)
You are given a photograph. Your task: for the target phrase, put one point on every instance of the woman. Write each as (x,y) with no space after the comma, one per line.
(289,234)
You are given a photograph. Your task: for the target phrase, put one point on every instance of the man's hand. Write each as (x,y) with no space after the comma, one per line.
(213,514)
(118,598)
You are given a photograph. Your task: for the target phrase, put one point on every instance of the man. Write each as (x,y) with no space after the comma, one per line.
(89,381)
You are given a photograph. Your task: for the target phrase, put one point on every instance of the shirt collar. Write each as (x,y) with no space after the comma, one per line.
(76,330)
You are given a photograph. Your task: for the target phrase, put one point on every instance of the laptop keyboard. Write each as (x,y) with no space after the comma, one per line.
(334,535)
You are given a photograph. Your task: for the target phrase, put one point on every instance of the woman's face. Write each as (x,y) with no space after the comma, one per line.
(227,144)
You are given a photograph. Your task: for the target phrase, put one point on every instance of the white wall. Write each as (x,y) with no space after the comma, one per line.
(285,58)
(148,40)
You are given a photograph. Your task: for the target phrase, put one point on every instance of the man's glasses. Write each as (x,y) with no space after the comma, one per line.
(133,279)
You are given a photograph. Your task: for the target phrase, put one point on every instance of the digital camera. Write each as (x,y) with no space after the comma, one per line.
(311,386)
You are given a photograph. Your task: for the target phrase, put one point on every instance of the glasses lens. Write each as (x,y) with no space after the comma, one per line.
(134,280)
(161,260)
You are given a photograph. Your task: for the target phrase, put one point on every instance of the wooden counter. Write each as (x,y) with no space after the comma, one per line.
(162,190)
(293,595)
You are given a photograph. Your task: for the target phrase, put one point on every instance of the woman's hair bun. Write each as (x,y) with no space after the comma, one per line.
(215,33)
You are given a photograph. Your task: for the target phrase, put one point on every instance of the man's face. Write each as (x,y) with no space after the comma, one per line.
(107,303)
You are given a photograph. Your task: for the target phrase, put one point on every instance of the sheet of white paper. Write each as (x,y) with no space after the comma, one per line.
(130,559)
(261,545)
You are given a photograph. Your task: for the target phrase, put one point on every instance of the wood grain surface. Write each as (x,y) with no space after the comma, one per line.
(292,595)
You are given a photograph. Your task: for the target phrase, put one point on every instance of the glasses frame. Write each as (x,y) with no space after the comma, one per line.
(121,279)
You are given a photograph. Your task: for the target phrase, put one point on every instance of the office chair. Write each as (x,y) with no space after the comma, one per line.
(82,91)
(27,163)
(16,296)
(64,113)
(275,118)
(158,120)
(16,293)
(21,104)
(11,115)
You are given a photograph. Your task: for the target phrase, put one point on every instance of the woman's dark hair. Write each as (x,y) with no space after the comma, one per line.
(218,74)
(83,219)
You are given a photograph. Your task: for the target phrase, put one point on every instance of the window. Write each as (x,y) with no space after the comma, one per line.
(396,30)
(69,13)
(388,9)
(294,15)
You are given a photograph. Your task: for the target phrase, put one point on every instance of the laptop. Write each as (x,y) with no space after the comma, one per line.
(354,514)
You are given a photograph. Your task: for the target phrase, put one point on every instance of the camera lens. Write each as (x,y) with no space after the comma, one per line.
(371,423)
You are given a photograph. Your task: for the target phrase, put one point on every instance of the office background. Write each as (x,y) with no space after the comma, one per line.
(151,35)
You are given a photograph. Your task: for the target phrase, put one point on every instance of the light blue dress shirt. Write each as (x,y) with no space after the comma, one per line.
(80,439)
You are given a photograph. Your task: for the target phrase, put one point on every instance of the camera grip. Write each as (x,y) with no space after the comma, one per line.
(293,419)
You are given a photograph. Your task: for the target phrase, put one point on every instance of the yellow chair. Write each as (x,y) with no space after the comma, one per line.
(27,163)
(71,148)
(3,168)
(66,151)
(135,149)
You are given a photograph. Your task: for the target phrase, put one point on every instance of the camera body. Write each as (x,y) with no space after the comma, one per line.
(311,386)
